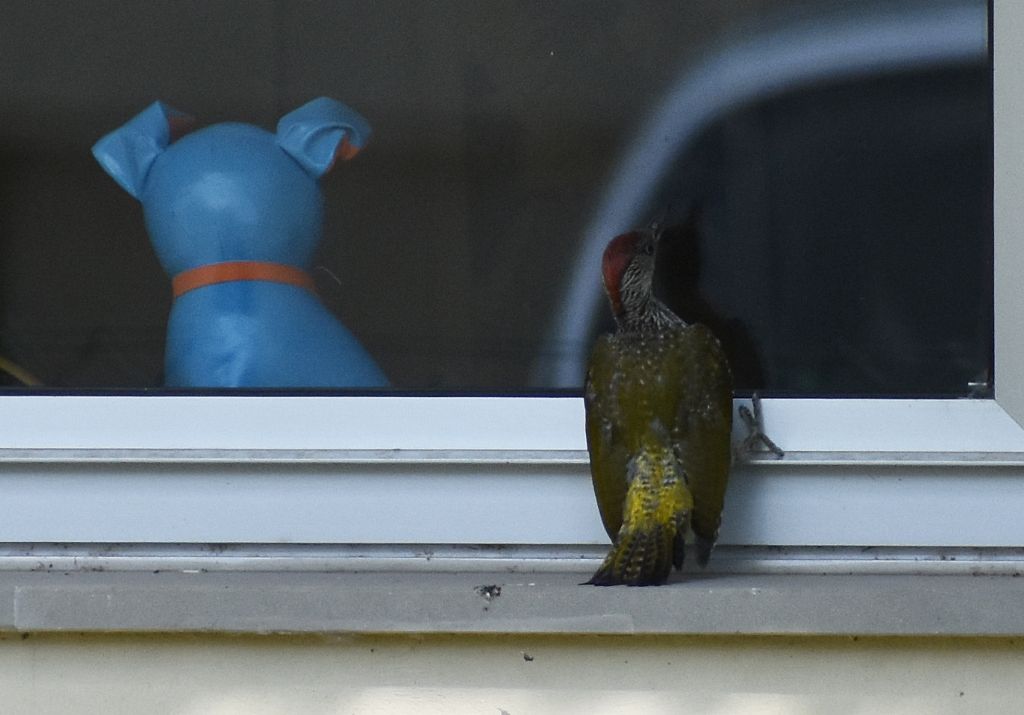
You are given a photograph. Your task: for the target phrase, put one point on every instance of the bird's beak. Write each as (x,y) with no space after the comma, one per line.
(657,224)
(656,229)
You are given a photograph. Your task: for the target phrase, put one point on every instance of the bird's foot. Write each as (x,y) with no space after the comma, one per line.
(756,440)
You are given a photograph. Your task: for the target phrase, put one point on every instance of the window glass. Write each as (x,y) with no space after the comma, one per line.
(839,238)
(827,197)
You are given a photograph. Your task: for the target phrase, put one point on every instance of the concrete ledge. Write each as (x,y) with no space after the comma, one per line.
(346,603)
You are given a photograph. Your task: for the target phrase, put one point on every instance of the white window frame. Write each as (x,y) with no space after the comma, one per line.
(323,481)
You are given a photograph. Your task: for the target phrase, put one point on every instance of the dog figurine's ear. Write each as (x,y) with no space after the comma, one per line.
(127,153)
(319,133)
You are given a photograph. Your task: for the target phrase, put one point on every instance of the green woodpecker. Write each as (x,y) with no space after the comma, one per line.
(658,402)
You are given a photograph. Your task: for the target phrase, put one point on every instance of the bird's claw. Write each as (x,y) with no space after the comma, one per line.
(755,432)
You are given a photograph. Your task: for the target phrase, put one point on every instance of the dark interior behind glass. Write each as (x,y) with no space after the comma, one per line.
(837,236)
(839,239)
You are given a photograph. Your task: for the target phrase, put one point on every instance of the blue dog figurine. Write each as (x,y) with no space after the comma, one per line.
(235,214)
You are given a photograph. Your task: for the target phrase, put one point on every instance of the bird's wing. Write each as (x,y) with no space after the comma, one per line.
(608,455)
(703,427)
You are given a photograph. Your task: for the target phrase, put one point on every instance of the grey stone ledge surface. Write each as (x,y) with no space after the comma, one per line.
(490,603)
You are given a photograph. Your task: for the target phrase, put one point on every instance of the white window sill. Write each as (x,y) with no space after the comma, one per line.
(542,603)
(369,515)
(492,471)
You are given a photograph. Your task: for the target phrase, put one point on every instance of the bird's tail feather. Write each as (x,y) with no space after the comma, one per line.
(643,556)
(656,515)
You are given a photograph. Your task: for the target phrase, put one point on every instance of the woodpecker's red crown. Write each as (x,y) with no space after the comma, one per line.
(617,256)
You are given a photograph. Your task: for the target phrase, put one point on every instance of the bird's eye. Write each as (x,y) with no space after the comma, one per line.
(648,249)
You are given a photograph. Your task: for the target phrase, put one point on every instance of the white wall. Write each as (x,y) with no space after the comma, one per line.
(194,675)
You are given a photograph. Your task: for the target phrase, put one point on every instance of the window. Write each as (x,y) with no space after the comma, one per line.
(348,476)
(825,187)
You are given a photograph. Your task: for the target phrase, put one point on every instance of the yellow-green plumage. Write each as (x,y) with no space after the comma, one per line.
(658,422)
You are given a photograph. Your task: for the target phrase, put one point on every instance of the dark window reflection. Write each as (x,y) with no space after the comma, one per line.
(827,198)
(835,229)
(839,239)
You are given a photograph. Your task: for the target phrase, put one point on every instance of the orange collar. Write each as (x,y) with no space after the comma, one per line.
(240,271)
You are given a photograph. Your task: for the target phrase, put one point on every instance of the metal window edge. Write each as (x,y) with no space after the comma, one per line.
(495,458)
(856,473)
